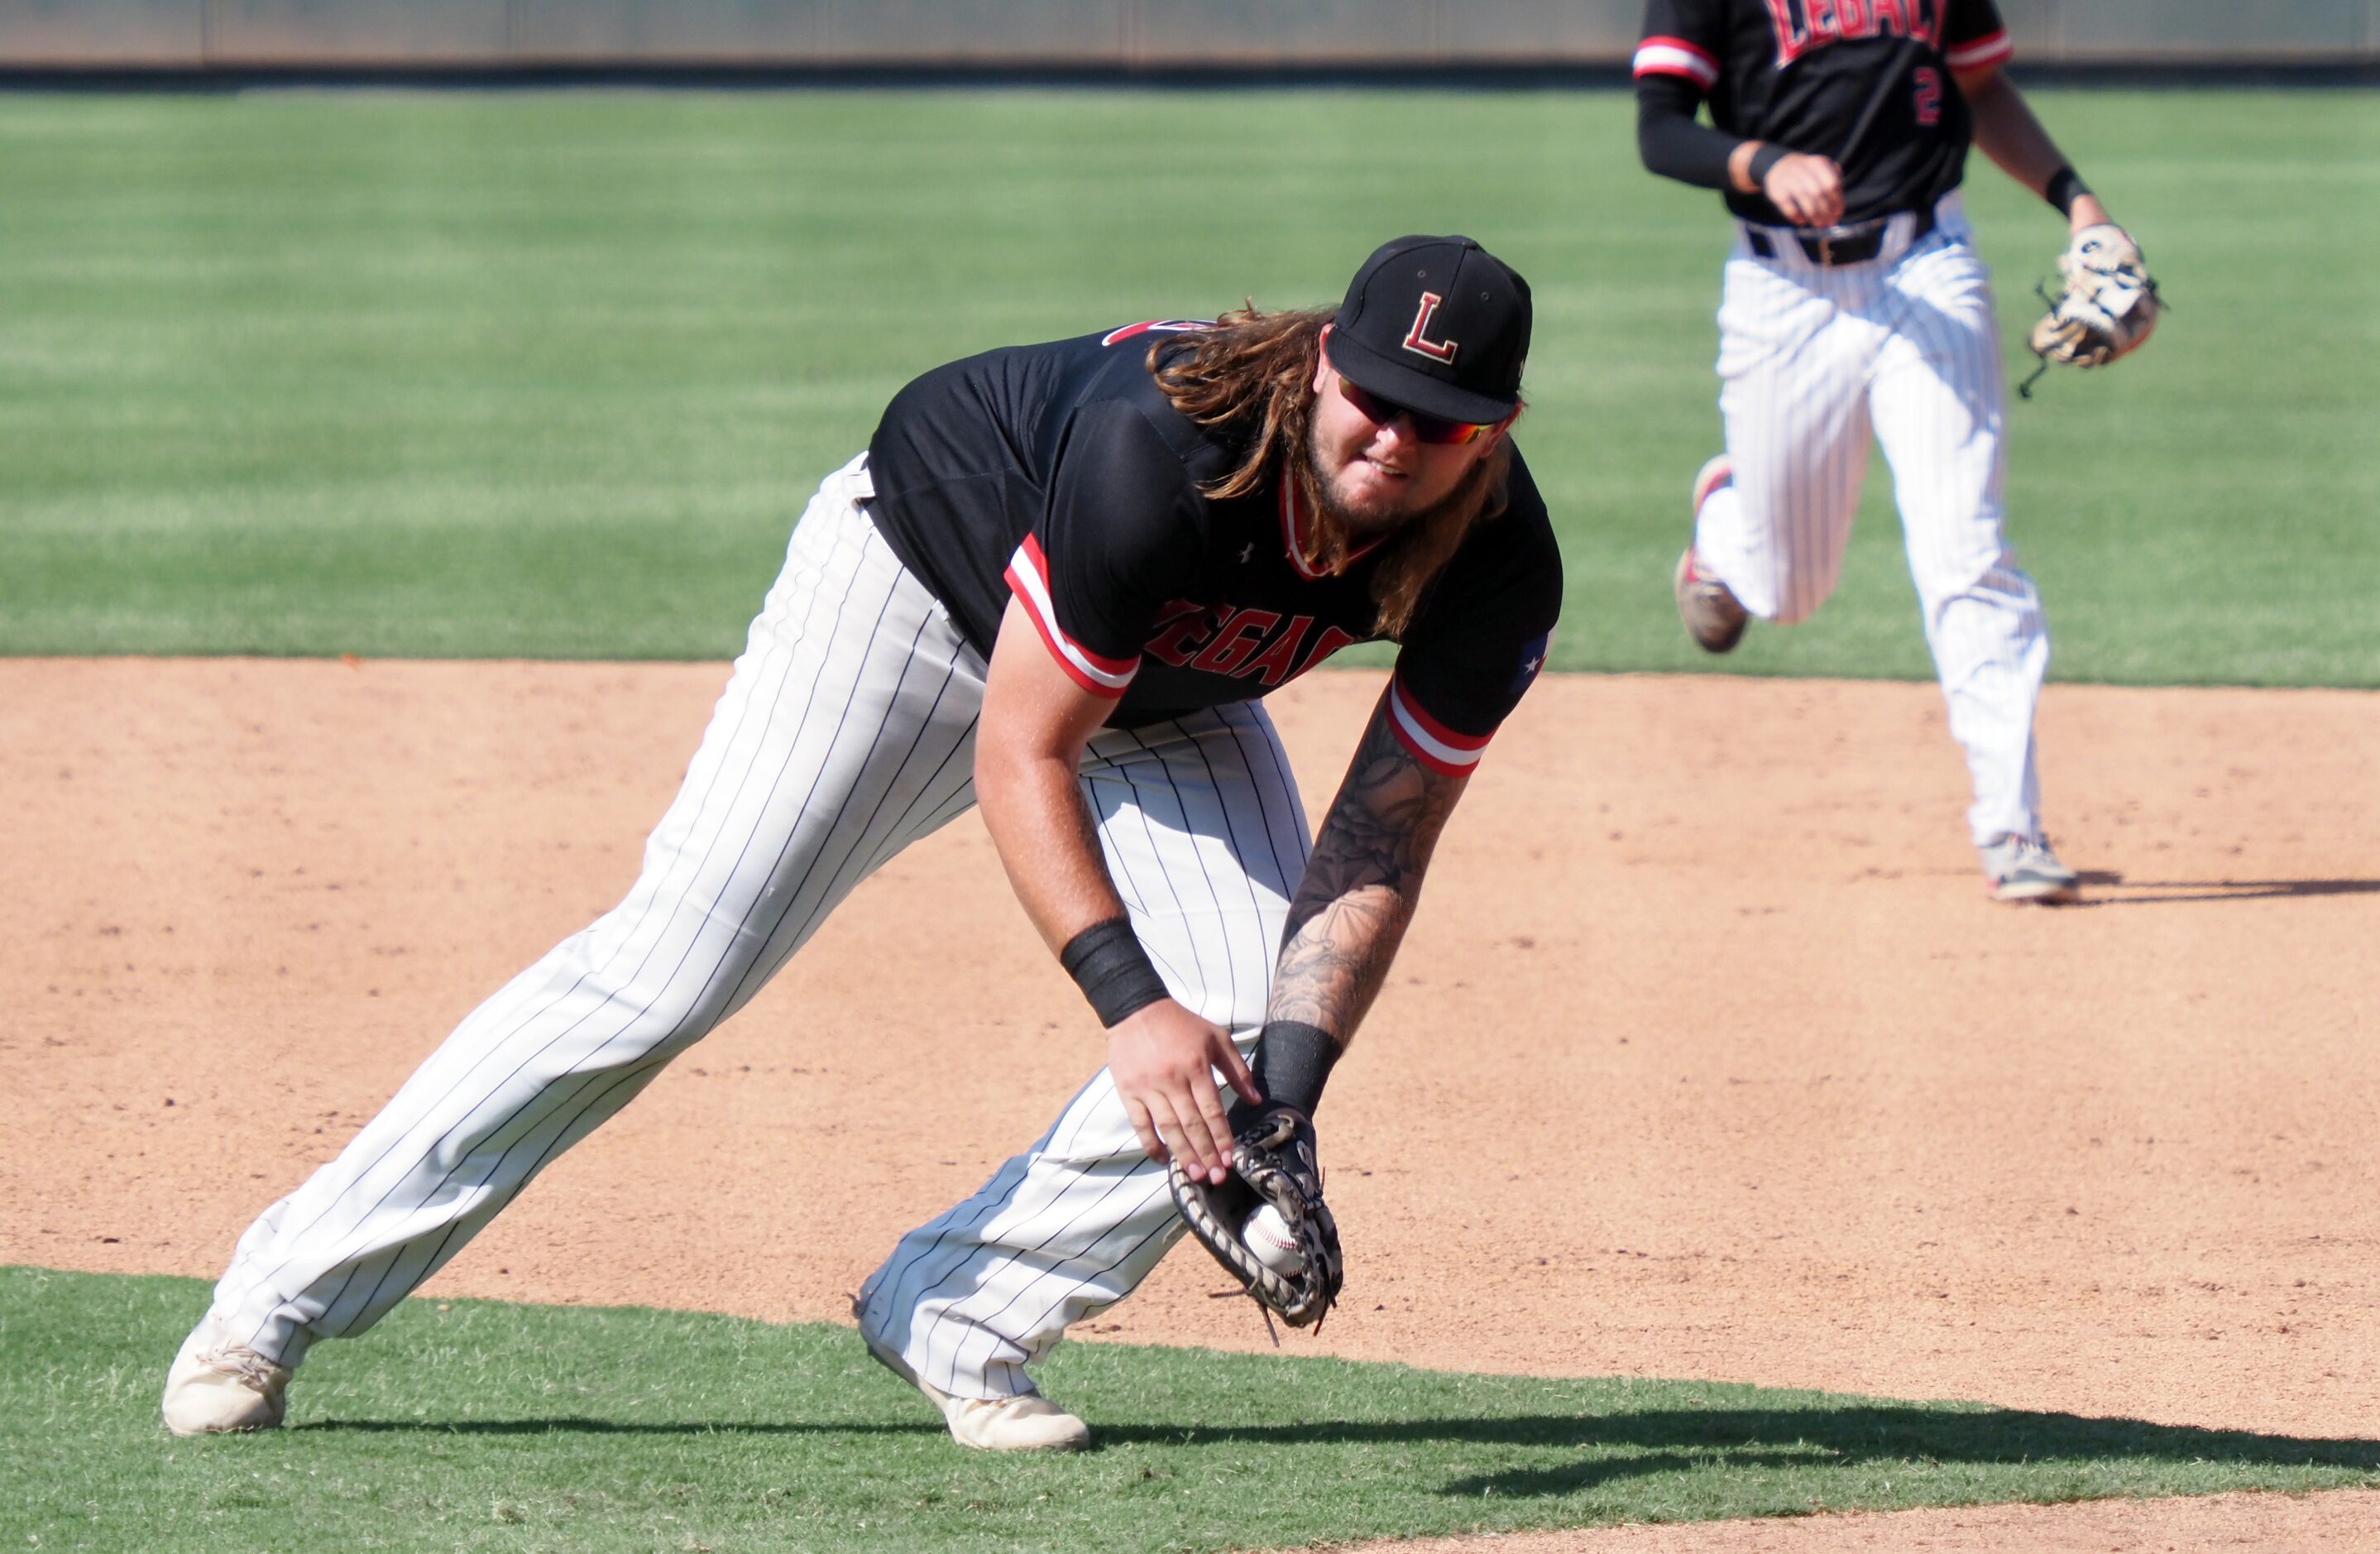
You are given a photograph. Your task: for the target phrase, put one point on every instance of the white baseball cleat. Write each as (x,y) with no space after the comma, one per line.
(217,1387)
(2024,868)
(1027,1422)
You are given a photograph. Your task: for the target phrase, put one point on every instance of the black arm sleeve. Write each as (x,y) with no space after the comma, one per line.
(1671,139)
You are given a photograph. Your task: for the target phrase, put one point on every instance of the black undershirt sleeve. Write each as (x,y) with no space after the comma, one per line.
(1672,142)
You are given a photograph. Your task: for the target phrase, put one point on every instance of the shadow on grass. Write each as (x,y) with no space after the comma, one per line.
(1650,1442)
(580,1425)
(1673,1438)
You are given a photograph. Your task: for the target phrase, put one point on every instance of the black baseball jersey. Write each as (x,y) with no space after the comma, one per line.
(1866,82)
(1061,474)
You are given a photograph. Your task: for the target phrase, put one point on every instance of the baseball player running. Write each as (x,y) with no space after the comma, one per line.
(1057,585)
(1854,303)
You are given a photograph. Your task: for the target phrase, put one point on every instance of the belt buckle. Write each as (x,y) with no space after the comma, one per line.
(1828,237)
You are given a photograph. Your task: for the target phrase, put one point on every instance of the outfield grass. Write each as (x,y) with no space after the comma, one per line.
(550,374)
(471,1424)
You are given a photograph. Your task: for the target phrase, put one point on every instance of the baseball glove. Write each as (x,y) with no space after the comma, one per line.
(1272,1163)
(2110,306)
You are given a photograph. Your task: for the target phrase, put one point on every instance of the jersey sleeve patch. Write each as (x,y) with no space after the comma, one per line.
(1992,48)
(1433,743)
(1532,658)
(1675,56)
(1028,578)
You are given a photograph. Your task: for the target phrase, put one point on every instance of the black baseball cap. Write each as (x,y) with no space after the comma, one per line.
(1437,325)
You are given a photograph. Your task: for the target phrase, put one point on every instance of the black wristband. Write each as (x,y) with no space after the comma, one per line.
(1106,961)
(2064,188)
(1293,1062)
(1767,156)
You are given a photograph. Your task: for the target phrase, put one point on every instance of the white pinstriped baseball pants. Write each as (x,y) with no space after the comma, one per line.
(845,733)
(1813,359)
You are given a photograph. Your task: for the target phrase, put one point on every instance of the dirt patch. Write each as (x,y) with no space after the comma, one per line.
(1707,1049)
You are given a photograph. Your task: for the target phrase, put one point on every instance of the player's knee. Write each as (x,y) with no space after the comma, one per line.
(635,1020)
(1981,573)
(1785,597)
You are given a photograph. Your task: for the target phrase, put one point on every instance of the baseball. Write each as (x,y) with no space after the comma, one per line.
(1269,1237)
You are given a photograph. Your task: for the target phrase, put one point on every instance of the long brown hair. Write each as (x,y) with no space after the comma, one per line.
(1255,369)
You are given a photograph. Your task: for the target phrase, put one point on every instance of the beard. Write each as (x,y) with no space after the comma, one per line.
(1350,524)
(1411,542)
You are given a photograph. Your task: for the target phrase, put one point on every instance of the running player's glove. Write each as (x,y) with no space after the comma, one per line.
(1297,1273)
(2110,306)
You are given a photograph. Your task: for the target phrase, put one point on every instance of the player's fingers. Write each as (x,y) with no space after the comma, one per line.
(1829,192)
(1209,1119)
(1789,187)
(1160,1126)
(1203,1156)
(1200,1154)
(1236,1070)
(1178,1143)
(1146,1127)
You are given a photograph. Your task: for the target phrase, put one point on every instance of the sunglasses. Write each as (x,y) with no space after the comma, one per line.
(1426,427)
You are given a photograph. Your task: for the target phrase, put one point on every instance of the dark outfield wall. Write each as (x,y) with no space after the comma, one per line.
(1095,34)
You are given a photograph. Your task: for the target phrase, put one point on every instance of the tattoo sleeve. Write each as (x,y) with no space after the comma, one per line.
(1360,886)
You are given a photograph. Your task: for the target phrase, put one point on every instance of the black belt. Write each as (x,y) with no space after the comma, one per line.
(1838,245)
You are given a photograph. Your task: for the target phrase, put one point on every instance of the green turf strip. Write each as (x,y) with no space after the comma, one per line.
(483,1426)
(552,373)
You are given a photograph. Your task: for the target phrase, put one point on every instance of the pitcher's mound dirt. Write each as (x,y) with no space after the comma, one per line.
(1706,1054)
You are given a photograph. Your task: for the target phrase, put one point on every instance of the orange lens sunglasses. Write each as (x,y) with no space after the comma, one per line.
(1426,428)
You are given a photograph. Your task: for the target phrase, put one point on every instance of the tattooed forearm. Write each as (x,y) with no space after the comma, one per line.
(1360,886)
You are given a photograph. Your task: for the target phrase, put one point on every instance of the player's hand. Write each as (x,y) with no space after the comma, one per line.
(2087,212)
(1808,189)
(1163,1059)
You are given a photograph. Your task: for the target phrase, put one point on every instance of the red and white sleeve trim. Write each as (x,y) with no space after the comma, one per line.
(1675,56)
(1028,578)
(1993,48)
(1433,743)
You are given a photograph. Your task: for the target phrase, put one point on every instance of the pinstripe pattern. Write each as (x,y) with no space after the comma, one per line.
(846,732)
(1814,361)
(1206,839)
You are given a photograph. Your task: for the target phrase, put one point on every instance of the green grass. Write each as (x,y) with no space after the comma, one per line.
(478,1425)
(550,374)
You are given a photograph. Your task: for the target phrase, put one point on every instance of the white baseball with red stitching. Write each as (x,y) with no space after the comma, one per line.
(1268,1235)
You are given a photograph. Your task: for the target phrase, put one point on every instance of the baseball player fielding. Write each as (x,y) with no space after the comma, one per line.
(1855,307)
(1057,586)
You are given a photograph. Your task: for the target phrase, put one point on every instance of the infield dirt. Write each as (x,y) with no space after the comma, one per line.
(1705,1058)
